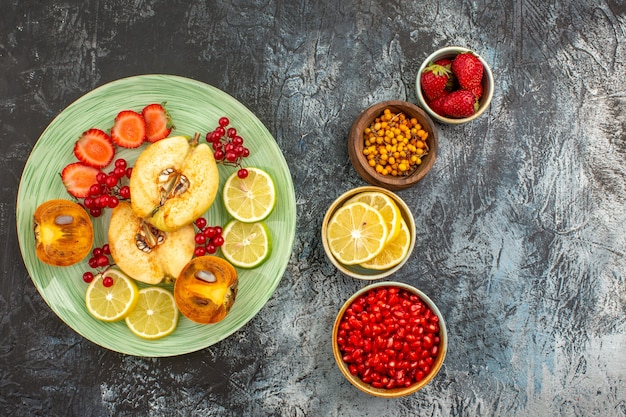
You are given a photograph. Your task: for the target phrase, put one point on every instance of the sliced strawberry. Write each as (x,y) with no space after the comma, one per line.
(78,177)
(158,122)
(129,129)
(94,148)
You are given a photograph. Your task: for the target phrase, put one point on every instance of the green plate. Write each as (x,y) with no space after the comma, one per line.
(194,107)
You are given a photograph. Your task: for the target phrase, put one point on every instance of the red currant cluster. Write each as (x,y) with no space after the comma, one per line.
(99,260)
(228,146)
(208,238)
(108,191)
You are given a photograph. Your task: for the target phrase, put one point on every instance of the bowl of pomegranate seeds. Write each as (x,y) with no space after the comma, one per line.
(389,339)
(393,144)
(454,85)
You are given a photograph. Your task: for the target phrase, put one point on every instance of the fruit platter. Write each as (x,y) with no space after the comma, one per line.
(195,112)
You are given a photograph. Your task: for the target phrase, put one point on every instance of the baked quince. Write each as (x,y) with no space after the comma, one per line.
(206,289)
(63,232)
(174,181)
(144,252)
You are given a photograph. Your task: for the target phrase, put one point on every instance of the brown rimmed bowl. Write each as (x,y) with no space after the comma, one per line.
(392,392)
(356,145)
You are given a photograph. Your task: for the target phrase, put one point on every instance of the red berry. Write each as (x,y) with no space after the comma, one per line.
(200,223)
(434,80)
(88,277)
(106,249)
(223,122)
(217,241)
(459,104)
(102,261)
(107,281)
(468,70)
(209,232)
(111,181)
(242,173)
(231,132)
(93,262)
(101,177)
(125,192)
(200,239)
(121,163)
(199,251)
(129,172)
(95,212)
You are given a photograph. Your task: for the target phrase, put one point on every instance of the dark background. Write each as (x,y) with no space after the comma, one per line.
(521,239)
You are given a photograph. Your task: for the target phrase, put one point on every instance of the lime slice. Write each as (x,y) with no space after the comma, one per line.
(249,199)
(394,252)
(386,206)
(246,245)
(356,233)
(114,302)
(155,314)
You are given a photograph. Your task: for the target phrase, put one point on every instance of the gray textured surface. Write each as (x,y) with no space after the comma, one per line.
(521,237)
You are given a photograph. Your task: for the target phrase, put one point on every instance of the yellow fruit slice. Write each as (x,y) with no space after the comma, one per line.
(246,245)
(155,314)
(386,206)
(394,252)
(249,199)
(356,233)
(114,302)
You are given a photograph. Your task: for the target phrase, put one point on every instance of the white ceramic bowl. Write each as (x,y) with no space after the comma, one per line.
(451,52)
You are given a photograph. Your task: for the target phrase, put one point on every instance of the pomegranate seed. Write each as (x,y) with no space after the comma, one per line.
(389,338)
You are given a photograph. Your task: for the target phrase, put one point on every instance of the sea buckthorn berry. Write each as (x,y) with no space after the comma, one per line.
(394,144)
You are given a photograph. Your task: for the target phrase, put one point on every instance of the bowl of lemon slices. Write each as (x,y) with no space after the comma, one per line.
(368,233)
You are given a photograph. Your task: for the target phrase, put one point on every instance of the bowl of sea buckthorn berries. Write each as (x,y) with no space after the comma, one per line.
(389,339)
(454,85)
(393,144)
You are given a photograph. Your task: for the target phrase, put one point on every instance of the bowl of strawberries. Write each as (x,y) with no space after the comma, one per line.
(454,85)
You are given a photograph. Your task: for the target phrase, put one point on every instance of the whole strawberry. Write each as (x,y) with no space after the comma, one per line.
(436,105)
(434,80)
(468,70)
(460,104)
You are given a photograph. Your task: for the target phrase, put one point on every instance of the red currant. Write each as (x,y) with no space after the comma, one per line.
(107,281)
(223,122)
(124,192)
(199,251)
(121,163)
(242,173)
(201,223)
(106,249)
(88,277)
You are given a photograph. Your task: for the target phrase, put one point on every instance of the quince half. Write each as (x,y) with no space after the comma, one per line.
(146,253)
(174,181)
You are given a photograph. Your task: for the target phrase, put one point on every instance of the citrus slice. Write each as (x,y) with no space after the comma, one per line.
(155,314)
(114,302)
(356,233)
(249,199)
(246,245)
(386,206)
(394,252)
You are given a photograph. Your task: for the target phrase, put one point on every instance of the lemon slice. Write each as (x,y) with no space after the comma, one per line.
(356,233)
(246,245)
(114,302)
(249,199)
(155,314)
(386,206)
(394,252)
